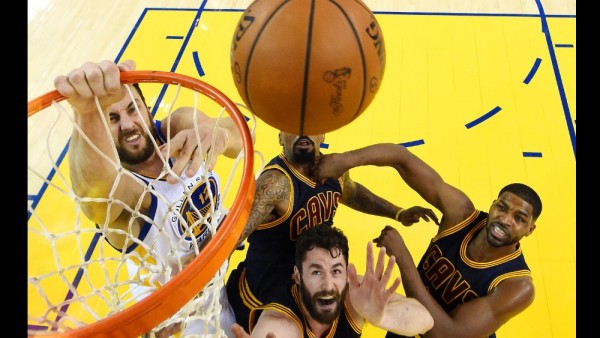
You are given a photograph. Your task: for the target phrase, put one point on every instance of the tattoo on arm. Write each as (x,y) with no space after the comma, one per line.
(272,190)
(362,199)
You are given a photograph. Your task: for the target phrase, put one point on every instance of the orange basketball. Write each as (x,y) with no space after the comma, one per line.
(307,67)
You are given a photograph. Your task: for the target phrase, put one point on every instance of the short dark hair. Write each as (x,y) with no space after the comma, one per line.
(323,236)
(526,193)
(139,90)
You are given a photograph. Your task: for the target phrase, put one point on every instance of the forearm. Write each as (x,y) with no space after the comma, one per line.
(92,158)
(362,199)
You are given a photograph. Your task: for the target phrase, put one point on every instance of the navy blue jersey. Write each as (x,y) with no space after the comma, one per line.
(452,278)
(271,252)
(287,301)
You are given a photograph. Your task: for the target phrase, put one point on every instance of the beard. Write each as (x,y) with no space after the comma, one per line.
(302,155)
(139,155)
(311,303)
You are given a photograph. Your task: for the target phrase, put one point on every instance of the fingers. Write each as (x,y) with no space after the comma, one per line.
(89,80)
(433,216)
(395,285)
(391,265)
(126,65)
(238,331)
(352,275)
(111,79)
(369,266)
(211,161)
(185,152)
(380,261)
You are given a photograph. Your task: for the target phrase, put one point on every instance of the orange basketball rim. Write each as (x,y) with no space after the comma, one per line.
(146,314)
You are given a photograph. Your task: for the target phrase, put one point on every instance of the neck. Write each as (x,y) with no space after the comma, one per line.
(304,168)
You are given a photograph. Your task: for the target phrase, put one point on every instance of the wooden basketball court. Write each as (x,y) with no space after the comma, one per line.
(483,91)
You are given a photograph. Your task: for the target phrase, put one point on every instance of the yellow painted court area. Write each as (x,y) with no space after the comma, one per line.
(455,91)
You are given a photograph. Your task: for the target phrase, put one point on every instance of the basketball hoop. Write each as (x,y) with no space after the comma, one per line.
(146,314)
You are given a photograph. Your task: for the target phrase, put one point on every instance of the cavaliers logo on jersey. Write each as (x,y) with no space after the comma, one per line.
(195,208)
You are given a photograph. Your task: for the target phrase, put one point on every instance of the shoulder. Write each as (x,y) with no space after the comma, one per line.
(273,174)
(514,295)
(273,184)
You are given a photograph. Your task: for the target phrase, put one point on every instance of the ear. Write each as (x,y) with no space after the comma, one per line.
(296,275)
(531,228)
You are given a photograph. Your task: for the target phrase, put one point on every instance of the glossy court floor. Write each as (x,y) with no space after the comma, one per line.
(485,92)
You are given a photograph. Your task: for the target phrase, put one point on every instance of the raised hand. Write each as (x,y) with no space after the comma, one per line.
(391,240)
(329,166)
(185,148)
(83,84)
(369,295)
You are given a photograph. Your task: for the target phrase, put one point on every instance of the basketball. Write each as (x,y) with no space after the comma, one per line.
(307,67)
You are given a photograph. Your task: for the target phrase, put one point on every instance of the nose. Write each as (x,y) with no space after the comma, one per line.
(507,218)
(328,282)
(127,121)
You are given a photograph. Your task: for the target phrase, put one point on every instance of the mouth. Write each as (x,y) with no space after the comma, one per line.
(327,303)
(304,143)
(132,137)
(498,231)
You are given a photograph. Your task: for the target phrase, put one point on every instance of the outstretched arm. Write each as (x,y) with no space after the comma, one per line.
(359,198)
(476,318)
(93,164)
(382,306)
(453,203)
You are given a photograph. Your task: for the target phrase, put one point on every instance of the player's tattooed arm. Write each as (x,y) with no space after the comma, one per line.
(271,200)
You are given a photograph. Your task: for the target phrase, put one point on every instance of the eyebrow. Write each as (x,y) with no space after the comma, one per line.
(128,106)
(319,266)
(520,212)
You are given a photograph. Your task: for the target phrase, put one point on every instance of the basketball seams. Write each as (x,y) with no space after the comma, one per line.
(307,59)
(294,66)
(364,69)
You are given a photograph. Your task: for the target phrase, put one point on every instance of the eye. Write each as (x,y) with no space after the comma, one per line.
(337,271)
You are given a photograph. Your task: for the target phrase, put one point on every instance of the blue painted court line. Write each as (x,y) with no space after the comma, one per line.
(533,70)
(412,143)
(532,154)
(563,45)
(174,37)
(559,83)
(197,63)
(483,118)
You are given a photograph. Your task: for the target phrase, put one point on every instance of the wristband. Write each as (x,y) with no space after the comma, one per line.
(398,214)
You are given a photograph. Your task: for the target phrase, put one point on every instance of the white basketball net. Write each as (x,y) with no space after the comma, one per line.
(75,277)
